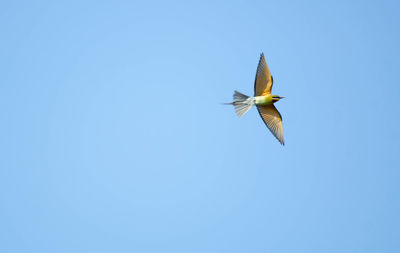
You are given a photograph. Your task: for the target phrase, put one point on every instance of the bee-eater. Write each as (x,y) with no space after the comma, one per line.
(263,100)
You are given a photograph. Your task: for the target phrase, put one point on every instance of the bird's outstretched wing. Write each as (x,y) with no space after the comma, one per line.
(273,120)
(263,83)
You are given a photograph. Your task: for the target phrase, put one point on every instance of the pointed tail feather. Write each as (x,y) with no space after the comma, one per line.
(242,103)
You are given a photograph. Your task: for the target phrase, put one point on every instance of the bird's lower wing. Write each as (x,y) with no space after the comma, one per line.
(273,120)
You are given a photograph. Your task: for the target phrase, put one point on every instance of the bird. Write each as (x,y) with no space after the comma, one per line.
(262,99)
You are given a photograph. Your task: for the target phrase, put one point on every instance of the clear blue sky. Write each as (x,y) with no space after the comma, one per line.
(113,137)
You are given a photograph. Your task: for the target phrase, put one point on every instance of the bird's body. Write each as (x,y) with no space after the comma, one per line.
(263,100)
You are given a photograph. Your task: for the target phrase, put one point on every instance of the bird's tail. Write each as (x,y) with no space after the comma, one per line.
(242,103)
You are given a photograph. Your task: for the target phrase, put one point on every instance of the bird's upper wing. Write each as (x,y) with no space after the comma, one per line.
(273,119)
(263,82)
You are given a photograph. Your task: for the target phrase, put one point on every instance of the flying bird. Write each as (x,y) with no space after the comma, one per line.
(263,100)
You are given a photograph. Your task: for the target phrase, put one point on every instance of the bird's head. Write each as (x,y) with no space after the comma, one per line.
(276,98)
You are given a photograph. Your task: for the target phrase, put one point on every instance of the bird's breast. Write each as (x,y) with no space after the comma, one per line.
(263,100)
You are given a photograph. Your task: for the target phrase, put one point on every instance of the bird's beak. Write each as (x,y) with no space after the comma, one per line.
(281,97)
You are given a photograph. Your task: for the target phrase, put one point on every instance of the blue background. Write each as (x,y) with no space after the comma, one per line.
(113,136)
